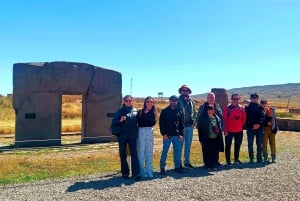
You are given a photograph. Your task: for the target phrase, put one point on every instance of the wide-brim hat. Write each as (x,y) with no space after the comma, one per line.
(184,87)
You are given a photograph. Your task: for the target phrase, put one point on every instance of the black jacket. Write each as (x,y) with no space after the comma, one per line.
(254,115)
(171,122)
(129,127)
(204,126)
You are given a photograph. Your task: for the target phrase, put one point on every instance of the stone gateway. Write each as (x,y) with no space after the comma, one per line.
(37,100)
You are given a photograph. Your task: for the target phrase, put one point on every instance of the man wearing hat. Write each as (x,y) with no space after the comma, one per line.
(187,105)
(171,127)
(254,125)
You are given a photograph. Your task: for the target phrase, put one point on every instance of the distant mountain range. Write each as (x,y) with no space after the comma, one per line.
(271,92)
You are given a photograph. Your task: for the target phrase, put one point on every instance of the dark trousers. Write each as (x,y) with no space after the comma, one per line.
(135,167)
(238,138)
(210,152)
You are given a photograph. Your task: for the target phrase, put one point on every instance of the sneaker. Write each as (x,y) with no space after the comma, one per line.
(178,170)
(162,171)
(188,165)
(237,162)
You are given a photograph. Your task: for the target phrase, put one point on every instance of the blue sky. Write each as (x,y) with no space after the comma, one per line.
(158,44)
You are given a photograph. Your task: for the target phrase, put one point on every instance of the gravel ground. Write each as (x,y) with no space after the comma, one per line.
(277,181)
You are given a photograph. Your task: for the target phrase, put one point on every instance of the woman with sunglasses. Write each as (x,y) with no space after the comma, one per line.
(146,121)
(126,117)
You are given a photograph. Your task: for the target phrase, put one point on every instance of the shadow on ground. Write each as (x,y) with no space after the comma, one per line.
(115,180)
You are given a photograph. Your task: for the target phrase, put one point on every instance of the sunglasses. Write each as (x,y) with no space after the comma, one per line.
(149,101)
(128,101)
(235,99)
(184,90)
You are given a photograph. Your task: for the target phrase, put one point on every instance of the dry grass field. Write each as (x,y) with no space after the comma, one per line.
(32,164)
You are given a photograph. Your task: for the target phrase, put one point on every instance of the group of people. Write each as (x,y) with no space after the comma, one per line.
(177,122)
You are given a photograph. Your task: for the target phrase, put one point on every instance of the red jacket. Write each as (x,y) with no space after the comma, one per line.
(234,118)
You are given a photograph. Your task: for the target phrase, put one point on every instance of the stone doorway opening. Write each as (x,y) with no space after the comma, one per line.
(71,119)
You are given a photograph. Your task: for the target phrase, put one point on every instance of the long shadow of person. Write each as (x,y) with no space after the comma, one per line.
(112,181)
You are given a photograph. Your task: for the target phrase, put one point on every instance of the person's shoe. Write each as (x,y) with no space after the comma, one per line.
(188,165)
(218,164)
(273,158)
(162,171)
(251,161)
(229,163)
(178,170)
(237,162)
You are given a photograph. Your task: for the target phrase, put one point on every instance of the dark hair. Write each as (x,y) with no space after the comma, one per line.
(235,94)
(210,107)
(127,96)
(145,101)
(263,101)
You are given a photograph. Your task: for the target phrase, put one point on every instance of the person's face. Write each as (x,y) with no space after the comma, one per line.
(235,100)
(173,103)
(254,100)
(185,92)
(211,98)
(210,112)
(264,104)
(149,103)
(128,102)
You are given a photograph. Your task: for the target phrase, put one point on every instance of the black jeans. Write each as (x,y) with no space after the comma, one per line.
(135,167)
(210,152)
(238,138)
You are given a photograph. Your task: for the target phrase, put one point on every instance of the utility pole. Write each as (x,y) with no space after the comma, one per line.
(288,102)
(130,87)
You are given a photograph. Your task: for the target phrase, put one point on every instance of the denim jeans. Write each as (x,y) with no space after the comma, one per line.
(258,133)
(177,151)
(238,138)
(188,138)
(145,151)
(135,168)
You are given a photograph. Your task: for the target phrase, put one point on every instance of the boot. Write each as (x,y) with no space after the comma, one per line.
(266,160)
(273,158)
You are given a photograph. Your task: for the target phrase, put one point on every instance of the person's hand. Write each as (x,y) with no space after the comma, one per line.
(180,137)
(123,118)
(225,133)
(256,126)
(165,137)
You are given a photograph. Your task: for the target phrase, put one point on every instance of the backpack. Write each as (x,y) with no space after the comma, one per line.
(275,127)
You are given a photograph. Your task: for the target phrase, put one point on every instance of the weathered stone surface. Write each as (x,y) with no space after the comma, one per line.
(285,124)
(38,90)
